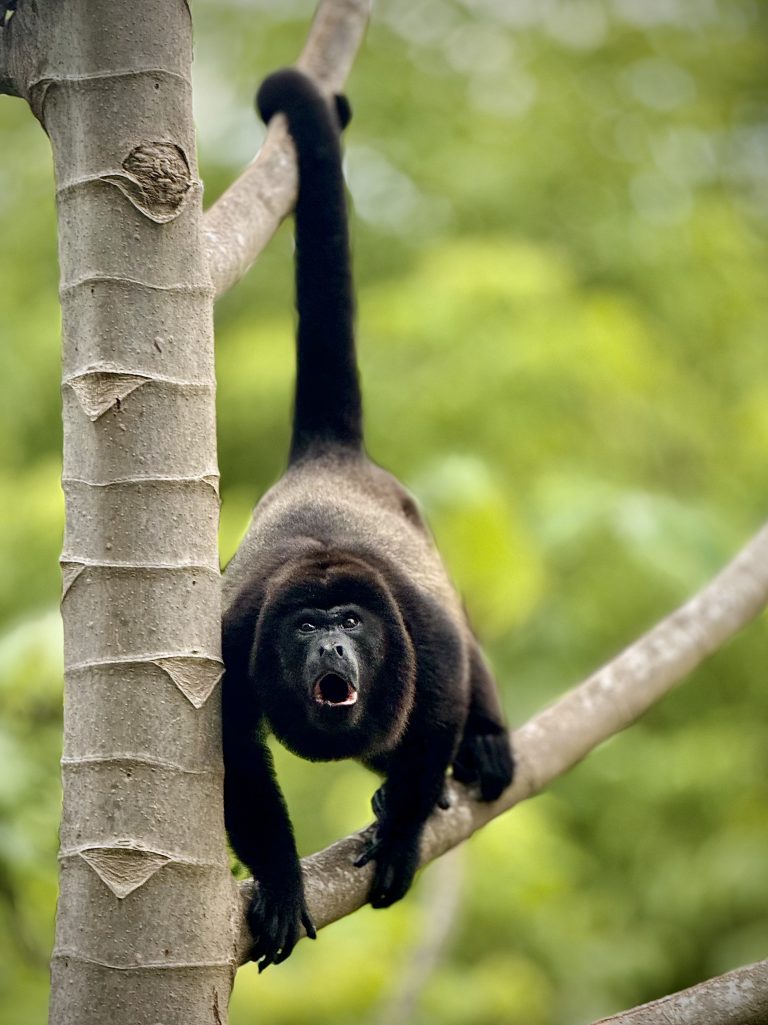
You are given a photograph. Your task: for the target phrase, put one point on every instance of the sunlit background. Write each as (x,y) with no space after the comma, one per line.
(561,216)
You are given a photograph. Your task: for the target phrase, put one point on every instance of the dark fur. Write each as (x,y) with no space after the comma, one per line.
(337,584)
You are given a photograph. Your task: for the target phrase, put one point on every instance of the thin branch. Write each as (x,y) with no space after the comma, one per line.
(239,225)
(737,998)
(560,736)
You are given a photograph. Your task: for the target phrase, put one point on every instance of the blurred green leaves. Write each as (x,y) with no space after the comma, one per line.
(30,745)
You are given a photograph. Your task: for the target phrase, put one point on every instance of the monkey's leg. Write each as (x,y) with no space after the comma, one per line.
(378,801)
(485,755)
(414,786)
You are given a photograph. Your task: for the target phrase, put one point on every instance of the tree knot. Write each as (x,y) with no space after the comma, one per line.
(157,179)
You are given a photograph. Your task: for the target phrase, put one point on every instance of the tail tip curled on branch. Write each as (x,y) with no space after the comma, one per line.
(289,90)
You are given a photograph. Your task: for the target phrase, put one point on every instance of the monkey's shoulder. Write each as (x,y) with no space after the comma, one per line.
(341,505)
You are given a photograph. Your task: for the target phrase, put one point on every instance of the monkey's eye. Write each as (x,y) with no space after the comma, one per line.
(307,628)
(350,622)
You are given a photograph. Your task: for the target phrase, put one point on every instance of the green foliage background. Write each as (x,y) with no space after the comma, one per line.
(560,240)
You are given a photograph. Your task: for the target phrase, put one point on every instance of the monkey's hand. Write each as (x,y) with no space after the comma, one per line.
(397,858)
(487,760)
(276,915)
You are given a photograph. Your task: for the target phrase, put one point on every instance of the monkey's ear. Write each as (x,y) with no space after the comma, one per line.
(343,110)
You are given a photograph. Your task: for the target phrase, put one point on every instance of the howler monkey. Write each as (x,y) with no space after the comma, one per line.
(342,633)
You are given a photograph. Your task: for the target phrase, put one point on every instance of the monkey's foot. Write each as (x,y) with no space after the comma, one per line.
(487,760)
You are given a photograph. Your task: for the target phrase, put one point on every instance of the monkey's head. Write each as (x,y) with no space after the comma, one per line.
(332,661)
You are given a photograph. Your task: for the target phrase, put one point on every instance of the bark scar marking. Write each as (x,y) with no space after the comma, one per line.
(157,180)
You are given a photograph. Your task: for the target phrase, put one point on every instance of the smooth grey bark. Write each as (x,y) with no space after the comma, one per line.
(145,917)
(739,997)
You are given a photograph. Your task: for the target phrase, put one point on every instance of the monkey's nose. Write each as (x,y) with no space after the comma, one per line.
(337,648)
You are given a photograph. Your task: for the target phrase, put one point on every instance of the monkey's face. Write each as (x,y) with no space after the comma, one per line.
(333,657)
(333,665)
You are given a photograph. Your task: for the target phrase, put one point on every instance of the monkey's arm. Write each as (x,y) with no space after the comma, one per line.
(262,837)
(413,787)
(415,770)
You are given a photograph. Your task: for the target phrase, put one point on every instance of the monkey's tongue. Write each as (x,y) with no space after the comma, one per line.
(332,689)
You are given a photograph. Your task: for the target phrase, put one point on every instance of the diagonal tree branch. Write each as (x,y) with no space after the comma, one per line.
(242,221)
(739,997)
(560,736)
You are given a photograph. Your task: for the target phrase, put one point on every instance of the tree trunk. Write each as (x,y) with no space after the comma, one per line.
(144,925)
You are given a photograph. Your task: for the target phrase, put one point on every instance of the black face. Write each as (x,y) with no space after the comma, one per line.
(332,665)
(329,647)
(330,661)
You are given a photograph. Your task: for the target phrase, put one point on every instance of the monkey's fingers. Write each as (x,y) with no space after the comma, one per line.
(286,943)
(263,924)
(393,877)
(279,941)
(309,925)
(372,848)
(378,802)
(275,921)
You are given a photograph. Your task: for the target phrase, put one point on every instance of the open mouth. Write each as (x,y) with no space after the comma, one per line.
(334,690)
